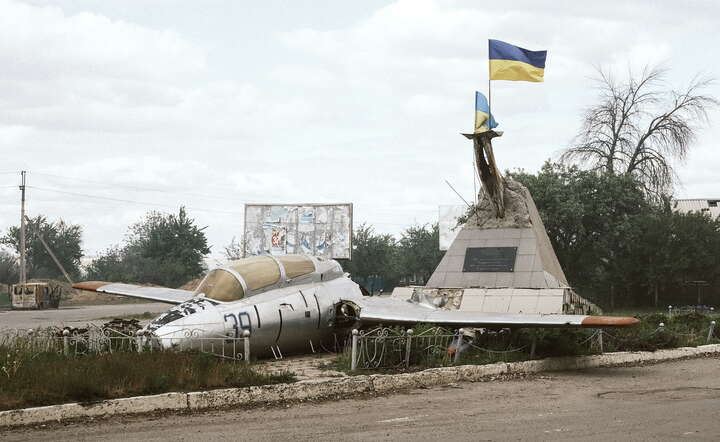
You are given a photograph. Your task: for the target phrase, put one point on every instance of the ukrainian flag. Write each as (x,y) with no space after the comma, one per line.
(508,62)
(482,115)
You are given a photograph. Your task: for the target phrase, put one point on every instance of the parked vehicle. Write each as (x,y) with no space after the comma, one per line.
(35,295)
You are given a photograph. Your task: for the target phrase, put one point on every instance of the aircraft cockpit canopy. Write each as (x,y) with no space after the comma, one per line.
(221,285)
(251,274)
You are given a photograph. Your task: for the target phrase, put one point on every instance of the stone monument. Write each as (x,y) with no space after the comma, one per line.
(502,259)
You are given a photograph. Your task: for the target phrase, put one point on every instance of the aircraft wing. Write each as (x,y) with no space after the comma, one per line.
(160,294)
(394,311)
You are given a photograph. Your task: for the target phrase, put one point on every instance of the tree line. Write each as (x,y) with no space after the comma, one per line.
(381,262)
(612,224)
(166,249)
(617,246)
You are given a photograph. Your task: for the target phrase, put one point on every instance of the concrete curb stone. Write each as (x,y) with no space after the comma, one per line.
(474,373)
(131,405)
(309,390)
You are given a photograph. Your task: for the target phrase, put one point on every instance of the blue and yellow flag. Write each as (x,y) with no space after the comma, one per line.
(482,115)
(508,62)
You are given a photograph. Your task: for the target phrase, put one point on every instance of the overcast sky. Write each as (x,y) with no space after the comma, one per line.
(117,108)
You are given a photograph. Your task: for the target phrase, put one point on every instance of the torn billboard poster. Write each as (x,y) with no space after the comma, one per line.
(311,229)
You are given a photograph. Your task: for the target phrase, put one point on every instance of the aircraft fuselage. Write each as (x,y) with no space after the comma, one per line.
(294,319)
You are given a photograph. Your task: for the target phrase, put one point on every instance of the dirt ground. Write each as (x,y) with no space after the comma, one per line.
(671,401)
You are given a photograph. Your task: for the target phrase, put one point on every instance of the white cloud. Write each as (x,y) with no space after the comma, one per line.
(369,112)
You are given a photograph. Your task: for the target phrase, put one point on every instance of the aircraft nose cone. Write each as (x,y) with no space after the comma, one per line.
(192,320)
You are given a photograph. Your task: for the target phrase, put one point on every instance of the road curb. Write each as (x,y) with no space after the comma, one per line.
(313,390)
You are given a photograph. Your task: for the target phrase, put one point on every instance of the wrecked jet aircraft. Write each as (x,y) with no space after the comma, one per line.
(294,303)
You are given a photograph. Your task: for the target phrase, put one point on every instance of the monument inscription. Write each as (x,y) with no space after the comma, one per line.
(490,259)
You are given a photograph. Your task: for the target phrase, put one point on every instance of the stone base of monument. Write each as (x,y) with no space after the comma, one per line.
(502,300)
(502,264)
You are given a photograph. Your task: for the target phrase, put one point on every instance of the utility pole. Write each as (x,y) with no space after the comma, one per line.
(23,273)
(49,250)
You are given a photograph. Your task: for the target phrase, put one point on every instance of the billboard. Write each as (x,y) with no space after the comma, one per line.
(311,229)
(447,224)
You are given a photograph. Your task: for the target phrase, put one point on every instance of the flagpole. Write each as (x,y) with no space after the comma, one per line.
(489,102)
(489,91)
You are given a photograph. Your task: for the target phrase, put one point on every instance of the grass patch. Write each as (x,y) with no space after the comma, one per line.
(28,380)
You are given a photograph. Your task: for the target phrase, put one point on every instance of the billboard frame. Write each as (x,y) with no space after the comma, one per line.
(298,205)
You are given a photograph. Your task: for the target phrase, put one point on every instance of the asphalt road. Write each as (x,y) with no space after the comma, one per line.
(670,401)
(73,316)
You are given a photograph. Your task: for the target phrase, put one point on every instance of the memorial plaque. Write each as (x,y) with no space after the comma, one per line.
(490,259)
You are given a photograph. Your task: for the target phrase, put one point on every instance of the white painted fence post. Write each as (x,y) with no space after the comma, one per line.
(66,342)
(600,341)
(246,346)
(353,354)
(533,346)
(456,359)
(711,331)
(408,347)
(138,341)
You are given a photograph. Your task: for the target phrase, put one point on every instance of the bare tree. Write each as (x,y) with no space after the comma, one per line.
(639,127)
(236,249)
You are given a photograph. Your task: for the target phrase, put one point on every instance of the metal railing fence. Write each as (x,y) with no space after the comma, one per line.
(100,340)
(395,348)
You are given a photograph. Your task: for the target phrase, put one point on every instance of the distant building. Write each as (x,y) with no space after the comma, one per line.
(87,260)
(710,206)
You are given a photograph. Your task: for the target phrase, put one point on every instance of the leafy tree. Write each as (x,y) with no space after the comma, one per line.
(374,256)
(693,247)
(670,248)
(165,249)
(9,271)
(112,265)
(638,126)
(616,245)
(587,216)
(419,252)
(64,240)
(649,261)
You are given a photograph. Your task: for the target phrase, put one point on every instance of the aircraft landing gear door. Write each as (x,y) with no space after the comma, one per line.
(299,316)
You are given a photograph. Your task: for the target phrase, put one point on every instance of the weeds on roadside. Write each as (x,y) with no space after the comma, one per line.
(43,378)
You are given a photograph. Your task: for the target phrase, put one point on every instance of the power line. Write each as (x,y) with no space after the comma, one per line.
(234,200)
(141,188)
(144,203)
(98,197)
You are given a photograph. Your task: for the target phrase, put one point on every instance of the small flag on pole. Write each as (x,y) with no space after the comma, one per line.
(508,62)
(483,120)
